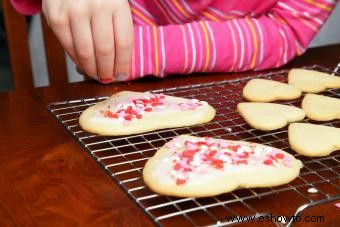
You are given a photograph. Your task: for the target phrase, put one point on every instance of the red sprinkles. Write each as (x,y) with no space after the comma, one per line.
(108,113)
(216,154)
(126,112)
(268,162)
(279,156)
(136,108)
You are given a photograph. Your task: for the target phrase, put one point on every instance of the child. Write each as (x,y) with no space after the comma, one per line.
(124,40)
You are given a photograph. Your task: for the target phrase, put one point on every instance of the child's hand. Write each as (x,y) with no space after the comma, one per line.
(97,34)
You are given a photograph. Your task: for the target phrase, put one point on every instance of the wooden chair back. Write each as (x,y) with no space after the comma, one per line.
(17,39)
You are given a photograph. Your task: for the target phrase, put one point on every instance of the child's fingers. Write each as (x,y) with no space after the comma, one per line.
(102,31)
(60,24)
(123,32)
(83,44)
(63,33)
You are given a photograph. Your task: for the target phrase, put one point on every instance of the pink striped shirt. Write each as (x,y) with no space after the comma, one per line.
(186,36)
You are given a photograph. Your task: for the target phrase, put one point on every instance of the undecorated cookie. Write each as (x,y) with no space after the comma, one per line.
(269,116)
(129,112)
(189,166)
(261,90)
(321,108)
(313,140)
(312,81)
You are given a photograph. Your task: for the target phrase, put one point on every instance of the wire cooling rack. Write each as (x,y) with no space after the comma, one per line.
(124,157)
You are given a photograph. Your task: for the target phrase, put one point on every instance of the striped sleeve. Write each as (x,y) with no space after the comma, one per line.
(233,45)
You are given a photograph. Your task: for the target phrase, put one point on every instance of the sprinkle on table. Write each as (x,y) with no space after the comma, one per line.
(312,190)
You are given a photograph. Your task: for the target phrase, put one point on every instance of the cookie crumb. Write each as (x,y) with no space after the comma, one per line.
(312,190)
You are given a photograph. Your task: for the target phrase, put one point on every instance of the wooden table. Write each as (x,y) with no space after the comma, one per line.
(46,178)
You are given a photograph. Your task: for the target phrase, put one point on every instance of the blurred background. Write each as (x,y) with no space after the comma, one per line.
(329,34)
(5,76)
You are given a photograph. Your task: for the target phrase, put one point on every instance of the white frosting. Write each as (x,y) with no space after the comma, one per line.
(171,106)
(202,172)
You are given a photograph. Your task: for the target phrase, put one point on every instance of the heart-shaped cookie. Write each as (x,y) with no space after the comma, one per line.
(130,112)
(261,90)
(313,140)
(269,116)
(312,81)
(321,108)
(189,166)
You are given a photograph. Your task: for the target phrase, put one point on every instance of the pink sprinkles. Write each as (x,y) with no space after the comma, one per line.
(218,154)
(137,107)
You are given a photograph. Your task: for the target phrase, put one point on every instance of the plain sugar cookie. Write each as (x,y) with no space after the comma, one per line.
(321,108)
(130,112)
(269,116)
(189,166)
(313,140)
(312,81)
(261,90)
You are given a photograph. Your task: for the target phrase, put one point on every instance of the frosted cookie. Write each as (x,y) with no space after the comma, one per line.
(269,116)
(312,81)
(189,166)
(129,112)
(261,90)
(313,140)
(321,108)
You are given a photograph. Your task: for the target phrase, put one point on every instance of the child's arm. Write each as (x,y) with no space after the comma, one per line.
(267,41)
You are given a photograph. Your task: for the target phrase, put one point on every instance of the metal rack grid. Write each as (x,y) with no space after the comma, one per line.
(124,157)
